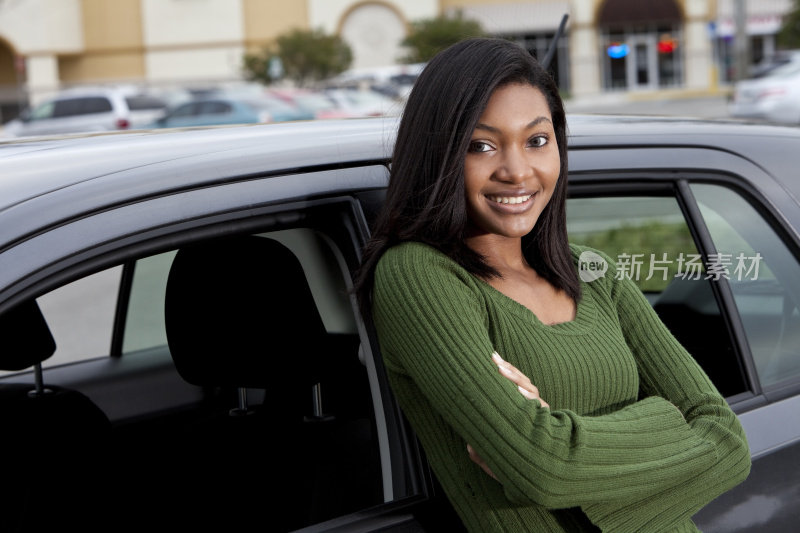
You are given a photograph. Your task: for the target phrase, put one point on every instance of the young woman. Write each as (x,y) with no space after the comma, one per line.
(543,403)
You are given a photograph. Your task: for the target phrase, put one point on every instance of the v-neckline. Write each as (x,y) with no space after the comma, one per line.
(584,311)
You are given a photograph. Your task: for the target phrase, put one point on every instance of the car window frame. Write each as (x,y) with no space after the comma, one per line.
(770,215)
(655,183)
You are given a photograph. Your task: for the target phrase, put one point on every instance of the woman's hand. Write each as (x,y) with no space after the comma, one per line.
(526,388)
(523,383)
(478,460)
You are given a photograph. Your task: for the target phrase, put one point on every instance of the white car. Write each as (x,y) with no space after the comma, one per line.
(774,97)
(364,102)
(88,110)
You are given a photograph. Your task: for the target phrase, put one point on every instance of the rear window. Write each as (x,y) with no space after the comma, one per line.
(138,103)
(69,107)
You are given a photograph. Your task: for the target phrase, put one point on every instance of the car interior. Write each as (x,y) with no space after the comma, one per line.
(277,424)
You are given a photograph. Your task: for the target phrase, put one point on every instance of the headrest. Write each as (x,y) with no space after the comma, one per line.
(239,313)
(26,337)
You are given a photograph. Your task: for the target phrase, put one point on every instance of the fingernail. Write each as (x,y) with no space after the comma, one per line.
(506,371)
(523,391)
(496,358)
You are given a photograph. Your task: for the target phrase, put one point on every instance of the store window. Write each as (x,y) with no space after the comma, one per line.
(641,43)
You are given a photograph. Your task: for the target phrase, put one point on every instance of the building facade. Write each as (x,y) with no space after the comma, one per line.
(607,45)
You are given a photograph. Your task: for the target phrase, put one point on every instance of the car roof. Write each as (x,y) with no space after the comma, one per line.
(51,179)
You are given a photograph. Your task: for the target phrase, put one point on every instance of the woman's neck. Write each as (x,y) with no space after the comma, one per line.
(504,254)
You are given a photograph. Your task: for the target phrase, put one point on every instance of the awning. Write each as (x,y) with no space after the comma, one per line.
(627,12)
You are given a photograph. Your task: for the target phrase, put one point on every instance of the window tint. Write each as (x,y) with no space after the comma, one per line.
(138,103)
(67,108)
(81,106)
(97,104)
(764,277)
(649,240)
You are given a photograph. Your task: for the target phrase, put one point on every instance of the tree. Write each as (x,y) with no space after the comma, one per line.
(303,56)
(430,36)
(789,34)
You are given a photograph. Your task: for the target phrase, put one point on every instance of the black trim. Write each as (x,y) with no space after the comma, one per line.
(121,313)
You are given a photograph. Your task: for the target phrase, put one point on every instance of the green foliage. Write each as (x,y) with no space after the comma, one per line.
(789,34)
(256,66)
(304,56)
(430,36)
(652,240)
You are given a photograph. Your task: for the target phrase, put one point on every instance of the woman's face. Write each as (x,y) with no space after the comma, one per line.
(512,164)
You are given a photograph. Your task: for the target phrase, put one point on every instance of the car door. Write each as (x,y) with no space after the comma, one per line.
(723,275)
(316,443)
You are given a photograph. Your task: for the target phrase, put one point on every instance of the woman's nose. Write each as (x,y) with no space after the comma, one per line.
(515,166)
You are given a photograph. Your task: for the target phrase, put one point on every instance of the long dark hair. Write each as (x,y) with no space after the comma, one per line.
(425,200)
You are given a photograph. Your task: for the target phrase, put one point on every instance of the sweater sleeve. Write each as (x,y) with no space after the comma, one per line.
(432,327)
(667,371)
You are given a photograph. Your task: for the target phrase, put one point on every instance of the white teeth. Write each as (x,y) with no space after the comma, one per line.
(510,199)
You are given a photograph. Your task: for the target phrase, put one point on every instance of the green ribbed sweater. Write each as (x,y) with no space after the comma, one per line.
(613,450)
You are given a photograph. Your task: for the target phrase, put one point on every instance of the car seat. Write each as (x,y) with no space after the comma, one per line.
(240,316)
(49,432)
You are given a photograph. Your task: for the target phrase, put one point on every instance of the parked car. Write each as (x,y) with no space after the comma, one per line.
(181,349)
(88,110)
(219,110)
(773,97)
(317,102)
(771,62)
(365,102)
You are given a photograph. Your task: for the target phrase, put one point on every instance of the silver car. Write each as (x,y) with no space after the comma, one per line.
(87,110)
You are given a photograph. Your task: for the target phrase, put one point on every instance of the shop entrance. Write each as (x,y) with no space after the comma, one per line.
(641,44)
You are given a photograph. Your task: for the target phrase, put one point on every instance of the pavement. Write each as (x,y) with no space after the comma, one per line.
(663,103)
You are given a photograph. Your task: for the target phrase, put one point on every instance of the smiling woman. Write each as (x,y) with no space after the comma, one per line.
(543,401)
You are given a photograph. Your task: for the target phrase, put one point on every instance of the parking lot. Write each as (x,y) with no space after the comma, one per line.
(669,104)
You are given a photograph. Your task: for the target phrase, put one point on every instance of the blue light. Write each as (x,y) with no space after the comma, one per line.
(617,51)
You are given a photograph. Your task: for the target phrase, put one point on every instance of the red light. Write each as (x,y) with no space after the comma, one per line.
(666,44)
(666,47)
(123,124)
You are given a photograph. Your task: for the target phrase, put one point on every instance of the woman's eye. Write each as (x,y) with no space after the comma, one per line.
(478,146)
(538,141)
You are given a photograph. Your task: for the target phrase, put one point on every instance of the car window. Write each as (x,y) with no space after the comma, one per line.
(94,104)
(764,277)
(81,316)
(143,102)
(43,111)
(649,239)
(215,108)
(68,107)
(185,110)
